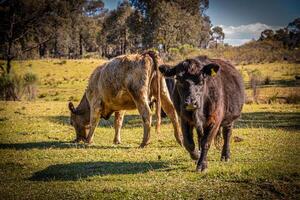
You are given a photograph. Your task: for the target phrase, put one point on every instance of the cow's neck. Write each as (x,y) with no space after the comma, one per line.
(84,105)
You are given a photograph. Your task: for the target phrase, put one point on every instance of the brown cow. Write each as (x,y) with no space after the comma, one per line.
(126,82)
(209,94)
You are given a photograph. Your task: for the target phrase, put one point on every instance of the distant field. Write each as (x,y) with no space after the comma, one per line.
(38,162)
(63,80)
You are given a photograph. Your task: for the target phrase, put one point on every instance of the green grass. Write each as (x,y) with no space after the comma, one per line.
(39,162)
(59,80)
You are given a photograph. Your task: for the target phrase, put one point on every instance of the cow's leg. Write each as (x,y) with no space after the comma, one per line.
(188,140)
(168,107)
(119,116)
(141,100)
(200,135)
(145,113)
(209,133)
(94,119)
(225,156)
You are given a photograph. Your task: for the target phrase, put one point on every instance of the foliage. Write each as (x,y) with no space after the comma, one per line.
(7,87)
(288,36)
(217,35)
(14,86)
(165,23)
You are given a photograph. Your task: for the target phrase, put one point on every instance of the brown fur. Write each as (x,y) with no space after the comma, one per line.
(126,83)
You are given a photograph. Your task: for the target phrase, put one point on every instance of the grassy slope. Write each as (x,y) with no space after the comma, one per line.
(38,162)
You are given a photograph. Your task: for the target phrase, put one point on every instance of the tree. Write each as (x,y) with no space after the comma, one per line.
(267,34)
(115,32)
(136,26)
(30,24)
(166,22)
(20,21)
(294,33)
(288,36)
(217,35)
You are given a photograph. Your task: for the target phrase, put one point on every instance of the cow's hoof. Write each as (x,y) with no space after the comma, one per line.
(87,141)
(143,145)
(117,142)
(201,167)
(225,159)
(77,140)
(195,156)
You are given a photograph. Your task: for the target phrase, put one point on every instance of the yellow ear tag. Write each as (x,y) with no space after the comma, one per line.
(213,73)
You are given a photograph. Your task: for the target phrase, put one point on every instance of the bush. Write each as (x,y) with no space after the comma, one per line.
(30,81)
(13,86)
(174,54)
(30,78)
(267,80)
(7,88)
(186,49)
(255,81)
(293,98)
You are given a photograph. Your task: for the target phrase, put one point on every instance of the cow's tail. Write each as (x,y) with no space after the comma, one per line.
(155,59)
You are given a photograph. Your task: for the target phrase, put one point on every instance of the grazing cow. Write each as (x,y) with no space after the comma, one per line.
(209,94)
(126,82)
(80,119)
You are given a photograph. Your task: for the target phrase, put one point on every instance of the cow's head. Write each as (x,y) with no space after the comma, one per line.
(80,120)
(191,77)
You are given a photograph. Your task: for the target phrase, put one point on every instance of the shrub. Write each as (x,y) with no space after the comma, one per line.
(267,80)
(293,98)
(185,49)
(255,80)
(273,98)
(42,95)
(7,88)
(13,86)
(30,81)
(174,54)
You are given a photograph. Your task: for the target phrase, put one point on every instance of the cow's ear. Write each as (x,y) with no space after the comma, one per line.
(72,108)
(167,71)
(211,69)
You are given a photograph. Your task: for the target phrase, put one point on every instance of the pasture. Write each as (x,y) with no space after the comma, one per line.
(39,162)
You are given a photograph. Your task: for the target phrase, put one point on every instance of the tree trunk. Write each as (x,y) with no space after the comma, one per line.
(125,42)
(80,45)
(9,57)
(8,64)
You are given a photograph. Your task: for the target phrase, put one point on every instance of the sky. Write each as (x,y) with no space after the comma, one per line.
(243,20)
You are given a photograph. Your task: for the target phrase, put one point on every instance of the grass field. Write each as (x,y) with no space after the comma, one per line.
(39,162)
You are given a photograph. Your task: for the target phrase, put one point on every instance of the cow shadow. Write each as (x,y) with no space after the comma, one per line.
(55,145)
(130,121)
(81,170)
(284,120)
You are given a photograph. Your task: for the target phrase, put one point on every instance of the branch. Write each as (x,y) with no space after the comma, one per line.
(35,46)
(2,68)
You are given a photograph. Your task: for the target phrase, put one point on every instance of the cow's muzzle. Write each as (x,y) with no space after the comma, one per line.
(190,107)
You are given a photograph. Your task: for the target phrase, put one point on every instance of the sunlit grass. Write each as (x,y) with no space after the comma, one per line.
(39,162)
(36,153)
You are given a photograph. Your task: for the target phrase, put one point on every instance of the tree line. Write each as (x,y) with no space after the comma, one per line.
(77,28)
(289,36)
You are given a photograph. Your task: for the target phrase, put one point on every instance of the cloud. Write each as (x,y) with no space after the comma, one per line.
(237,35)
(236,42)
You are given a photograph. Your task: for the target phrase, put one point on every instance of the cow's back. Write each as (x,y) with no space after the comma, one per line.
(113,80)
(231,84)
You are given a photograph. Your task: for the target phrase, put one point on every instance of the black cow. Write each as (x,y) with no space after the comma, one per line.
(208,95)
